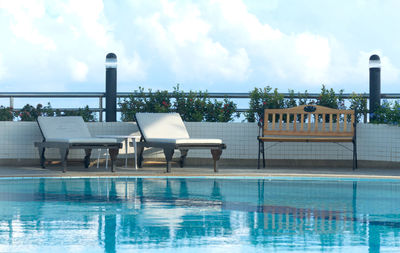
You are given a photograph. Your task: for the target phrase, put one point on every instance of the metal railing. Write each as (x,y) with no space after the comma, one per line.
(101,95)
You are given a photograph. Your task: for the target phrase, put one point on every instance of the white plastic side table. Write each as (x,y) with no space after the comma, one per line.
(126,138)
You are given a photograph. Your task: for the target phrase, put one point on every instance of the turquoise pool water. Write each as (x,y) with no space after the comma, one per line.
(198,215)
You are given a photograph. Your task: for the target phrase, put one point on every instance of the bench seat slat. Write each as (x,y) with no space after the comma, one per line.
(306,139)
(306,133)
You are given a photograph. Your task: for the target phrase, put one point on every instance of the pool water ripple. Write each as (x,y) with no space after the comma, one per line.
(198,214)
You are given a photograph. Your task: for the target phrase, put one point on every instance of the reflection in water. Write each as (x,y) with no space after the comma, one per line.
(111,215)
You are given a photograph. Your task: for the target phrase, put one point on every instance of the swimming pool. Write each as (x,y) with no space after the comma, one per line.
(198,215)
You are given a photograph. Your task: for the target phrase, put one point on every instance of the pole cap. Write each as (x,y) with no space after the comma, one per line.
(374,61)
(111,61)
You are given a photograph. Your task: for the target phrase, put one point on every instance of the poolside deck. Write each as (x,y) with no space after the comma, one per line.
(77,170)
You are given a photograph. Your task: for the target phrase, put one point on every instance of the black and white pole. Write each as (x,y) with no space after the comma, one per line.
(111,87)
(374,84)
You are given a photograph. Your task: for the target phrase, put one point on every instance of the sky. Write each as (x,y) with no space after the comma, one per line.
(214,45)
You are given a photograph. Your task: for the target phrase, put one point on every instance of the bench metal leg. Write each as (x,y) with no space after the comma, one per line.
(263,153)
(64,156)
(184,153)
(86,160)
(168,152)
(113,155)
(355,165)
(216,154)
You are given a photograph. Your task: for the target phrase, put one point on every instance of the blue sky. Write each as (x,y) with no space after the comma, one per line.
(214,45)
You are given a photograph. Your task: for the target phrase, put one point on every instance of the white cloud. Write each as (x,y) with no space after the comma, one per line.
(189,42)
(234,17)
(132,68)
(79,70)
(90,20)
(181,36)
(313,54)
(25,14)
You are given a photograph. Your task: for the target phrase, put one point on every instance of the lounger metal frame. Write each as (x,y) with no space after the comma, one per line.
(64,148)
(169,148)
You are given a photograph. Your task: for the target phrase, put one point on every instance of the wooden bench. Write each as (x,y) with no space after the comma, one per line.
(307,123)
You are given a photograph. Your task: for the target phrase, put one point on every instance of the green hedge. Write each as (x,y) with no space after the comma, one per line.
(30,113)
(195,106)
(198,106)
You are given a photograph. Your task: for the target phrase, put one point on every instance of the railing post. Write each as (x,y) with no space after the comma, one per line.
(11,103)
(374,84)
(101,109)
(111,87)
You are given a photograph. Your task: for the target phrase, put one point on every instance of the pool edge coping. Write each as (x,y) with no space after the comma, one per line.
(296,177)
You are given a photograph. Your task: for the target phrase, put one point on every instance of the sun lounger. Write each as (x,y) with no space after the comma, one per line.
(167,131)
(67,133)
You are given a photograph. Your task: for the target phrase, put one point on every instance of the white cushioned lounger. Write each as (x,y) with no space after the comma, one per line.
(71,132)
(167,131)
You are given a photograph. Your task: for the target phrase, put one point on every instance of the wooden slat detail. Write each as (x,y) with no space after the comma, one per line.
(295,122)
(273,121)
(352,123)
(309,122)
(338,122)
(323,122)
(302,122)
(345,122)
(300,109)
(287,121)
(316,122)
(280,121)
(266,120)
(330,122)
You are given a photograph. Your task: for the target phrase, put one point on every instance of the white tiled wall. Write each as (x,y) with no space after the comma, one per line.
(375,142)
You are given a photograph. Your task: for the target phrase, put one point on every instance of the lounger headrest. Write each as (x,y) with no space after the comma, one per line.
(63,127)
(161,125)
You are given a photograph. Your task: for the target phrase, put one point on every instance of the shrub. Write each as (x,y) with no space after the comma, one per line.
(31,113)
(261,99)
(329,98)
(387,113)
(139,102)
(218,111)
(192,106)
(85,113)
(6,114)
(358,102)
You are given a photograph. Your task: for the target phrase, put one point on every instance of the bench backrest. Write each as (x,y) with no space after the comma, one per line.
(309,120)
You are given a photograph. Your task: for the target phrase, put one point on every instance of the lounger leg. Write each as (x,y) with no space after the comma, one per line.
(88,152)
(168,152)
(64,156)
(140,150)
(113,155)
(216,154)
(42,157)
(183,157)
